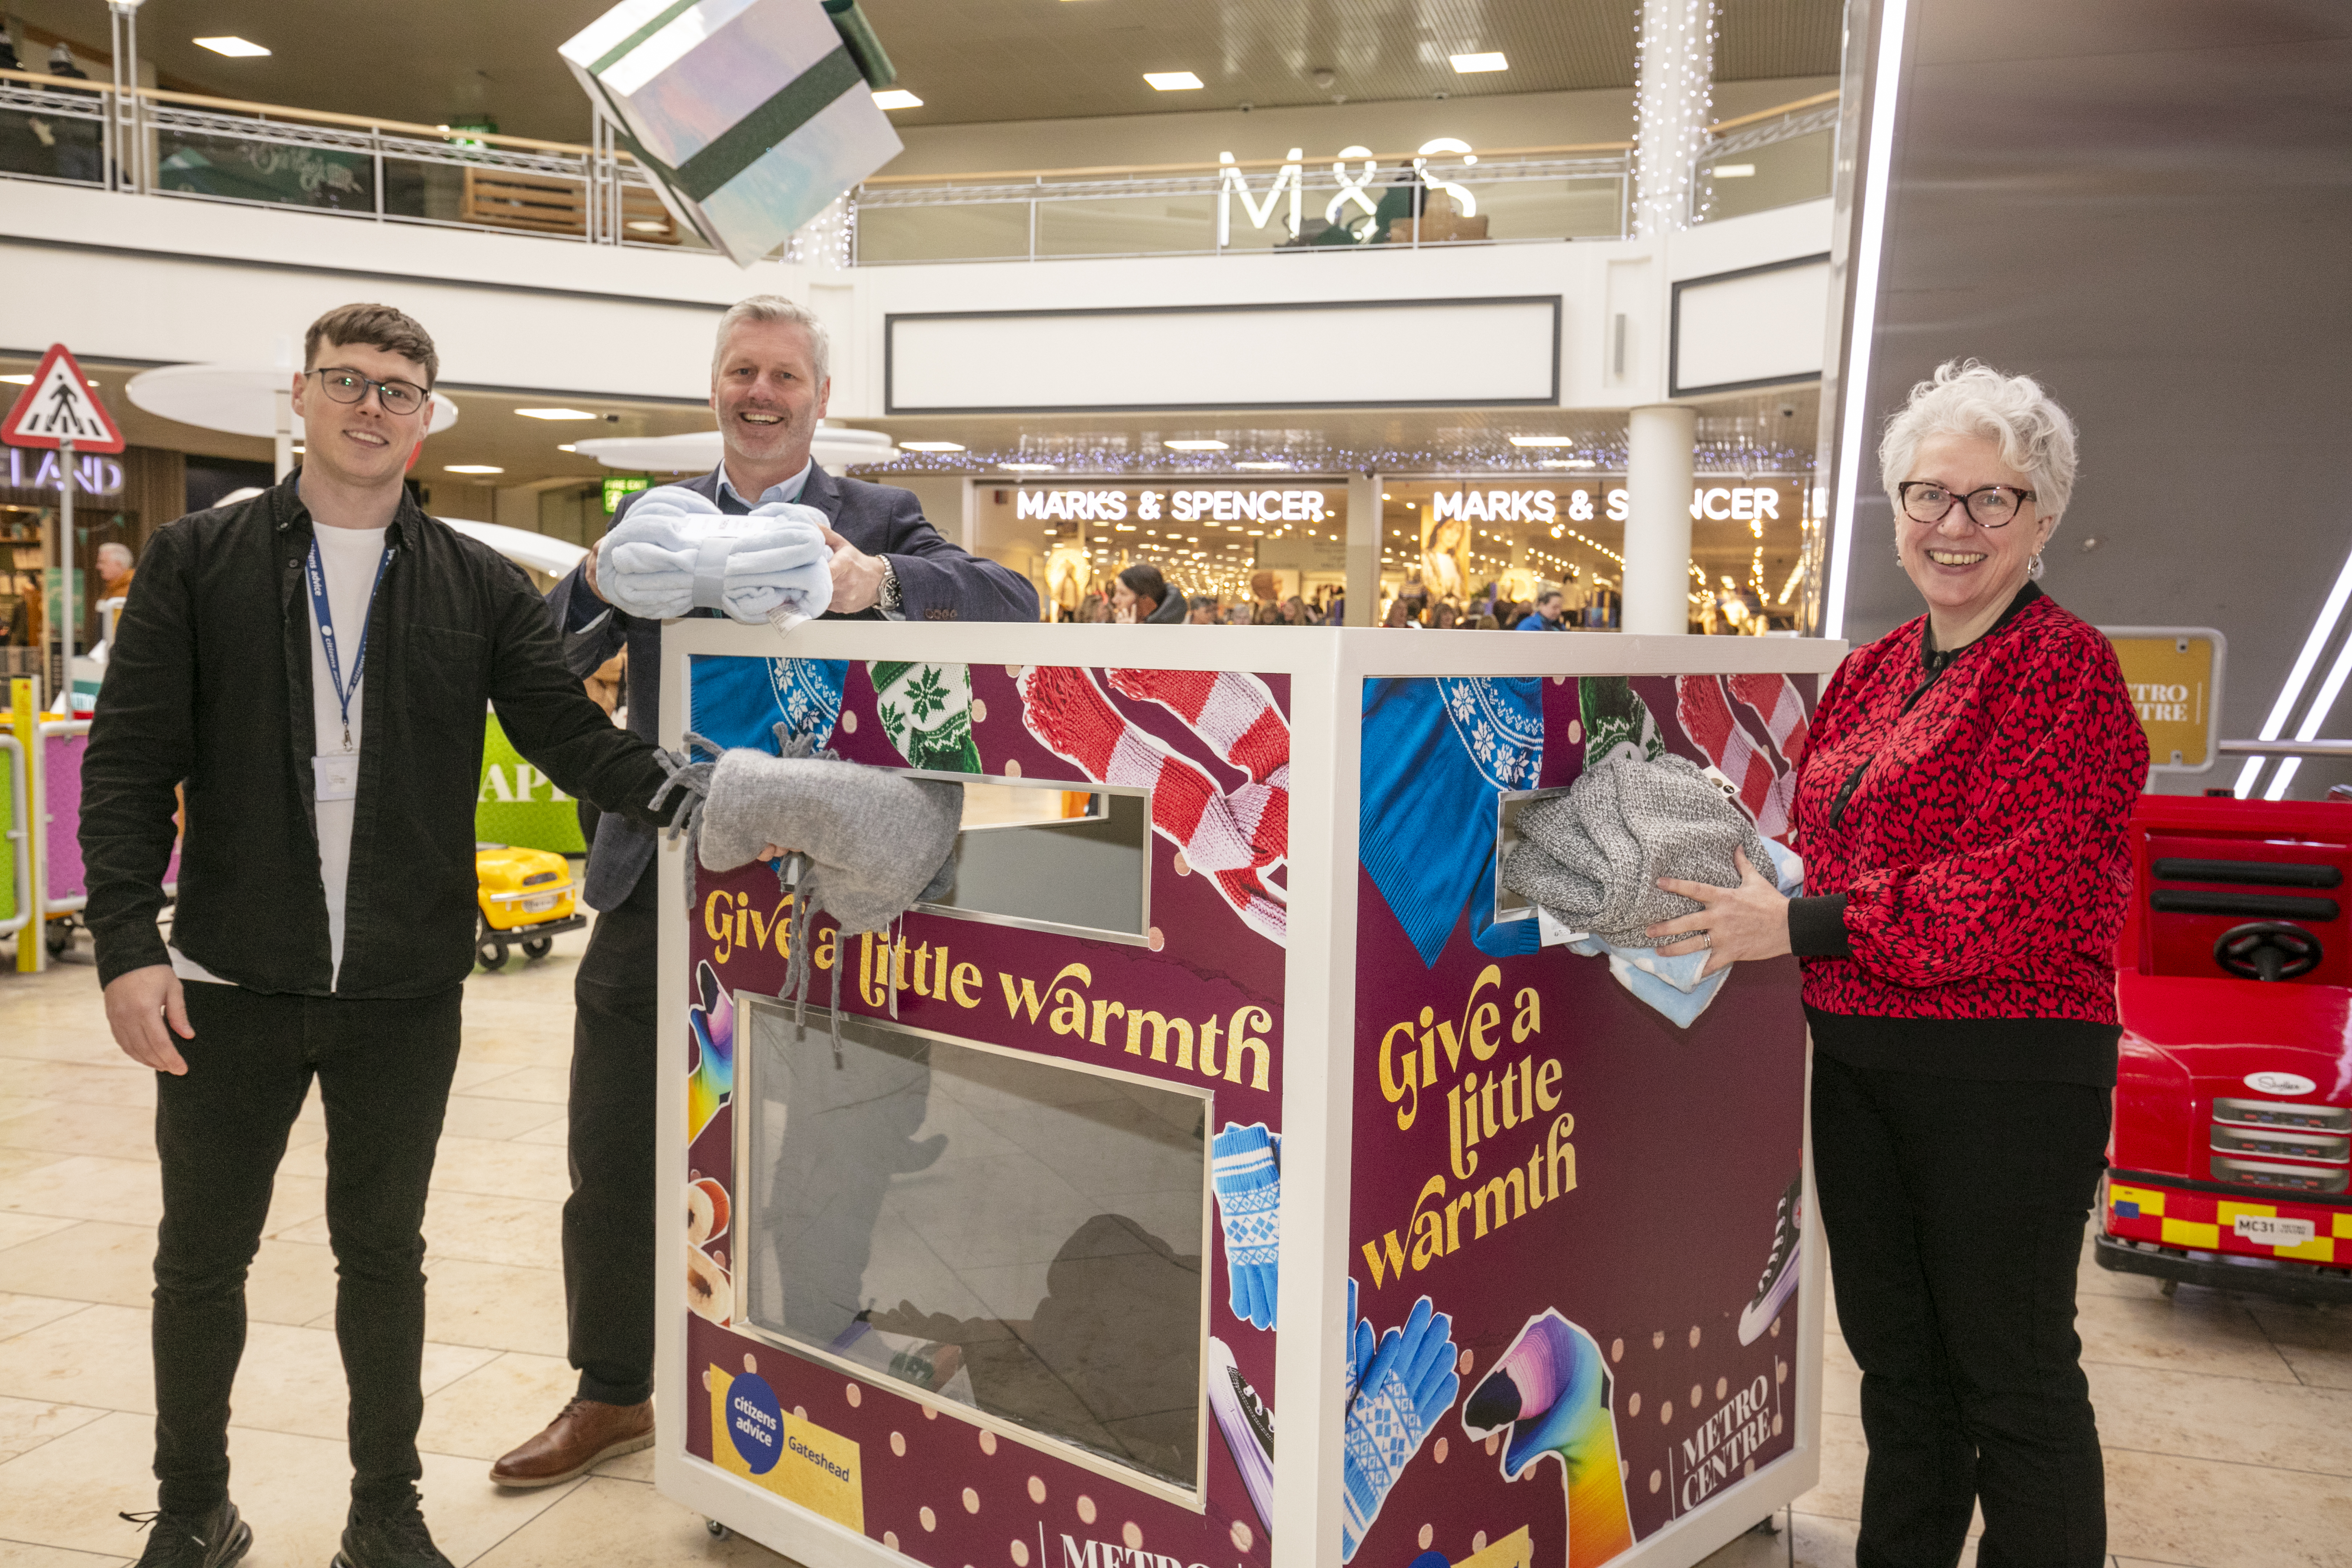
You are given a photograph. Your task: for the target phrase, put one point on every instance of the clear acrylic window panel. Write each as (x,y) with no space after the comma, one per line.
(1015,1236)
(1787,173)
(1041,856)
(1126,225)
(974,231)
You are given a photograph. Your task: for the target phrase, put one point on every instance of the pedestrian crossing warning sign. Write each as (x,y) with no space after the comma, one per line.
(60,406)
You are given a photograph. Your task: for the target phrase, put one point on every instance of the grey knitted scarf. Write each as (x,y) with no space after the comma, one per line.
(1593,856)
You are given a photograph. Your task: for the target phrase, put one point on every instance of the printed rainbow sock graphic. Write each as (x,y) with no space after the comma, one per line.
(713,1078)
(1551,1390)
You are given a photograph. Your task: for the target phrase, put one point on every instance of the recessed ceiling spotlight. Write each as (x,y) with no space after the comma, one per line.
(1194,446)
(1543,440)
(933,446)
(1172,82)
(471,468)
(897,98)
(1733,171)
(231,46)
(567,446)
(1491,61)
(555,414)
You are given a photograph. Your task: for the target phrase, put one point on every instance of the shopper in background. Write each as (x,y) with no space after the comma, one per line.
(1140,595)
(313,663)
(1549,614)
(769,387)
(1204,611)
(1961,806)
(77,142)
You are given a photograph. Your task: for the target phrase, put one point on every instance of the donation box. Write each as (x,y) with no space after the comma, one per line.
(1221,1168)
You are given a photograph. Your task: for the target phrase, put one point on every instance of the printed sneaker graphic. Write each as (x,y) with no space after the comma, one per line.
(1247,1426)
(1780,1280)
(1551,1391)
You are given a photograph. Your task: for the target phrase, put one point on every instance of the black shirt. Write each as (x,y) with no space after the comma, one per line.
(209,684)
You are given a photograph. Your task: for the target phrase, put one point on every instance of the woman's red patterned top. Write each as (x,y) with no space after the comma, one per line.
(1962,817)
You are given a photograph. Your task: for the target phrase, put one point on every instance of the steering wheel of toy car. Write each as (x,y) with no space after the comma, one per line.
(2267,950)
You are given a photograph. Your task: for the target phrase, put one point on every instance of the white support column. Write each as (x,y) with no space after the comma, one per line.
(1364,516)
(1658,466)
(1674,63)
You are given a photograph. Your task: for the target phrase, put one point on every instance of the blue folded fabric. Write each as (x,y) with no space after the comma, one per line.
(1673,986)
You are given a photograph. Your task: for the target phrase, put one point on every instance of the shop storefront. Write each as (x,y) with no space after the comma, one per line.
(1471,543)
(1243,541)
(1452,548)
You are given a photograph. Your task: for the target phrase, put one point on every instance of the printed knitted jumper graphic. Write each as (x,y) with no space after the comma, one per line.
(1765,787)
(1235,839)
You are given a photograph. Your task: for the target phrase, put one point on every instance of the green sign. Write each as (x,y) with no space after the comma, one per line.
(619,485)
(516,803)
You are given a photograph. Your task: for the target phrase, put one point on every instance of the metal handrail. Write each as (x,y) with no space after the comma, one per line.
(20,829)
(2286,748)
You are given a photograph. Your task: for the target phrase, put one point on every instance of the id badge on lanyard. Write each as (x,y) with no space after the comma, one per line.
(335,775)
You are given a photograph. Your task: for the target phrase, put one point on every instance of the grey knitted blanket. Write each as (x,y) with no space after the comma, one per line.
(1592,857)
(873,840)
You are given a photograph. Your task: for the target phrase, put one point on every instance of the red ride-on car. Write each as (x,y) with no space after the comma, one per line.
(2233,1108)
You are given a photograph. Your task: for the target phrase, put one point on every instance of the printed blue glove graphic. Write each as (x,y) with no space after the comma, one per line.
(1404,1386)
(1246,1167)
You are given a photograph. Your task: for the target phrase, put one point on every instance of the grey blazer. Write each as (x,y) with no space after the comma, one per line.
(937,582)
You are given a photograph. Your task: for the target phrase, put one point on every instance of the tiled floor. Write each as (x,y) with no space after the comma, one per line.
(2229,1422)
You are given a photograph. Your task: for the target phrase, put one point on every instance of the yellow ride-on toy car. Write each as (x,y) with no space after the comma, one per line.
(527,896)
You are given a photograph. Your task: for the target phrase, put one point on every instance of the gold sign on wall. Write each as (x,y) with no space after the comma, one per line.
(2175,676)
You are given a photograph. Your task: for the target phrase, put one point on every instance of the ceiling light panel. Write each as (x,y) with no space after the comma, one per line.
(471,468)
(897,98)
(1194,446)
(1470,65)
(930,445)
(231,46)
(1172,82)
(555,414)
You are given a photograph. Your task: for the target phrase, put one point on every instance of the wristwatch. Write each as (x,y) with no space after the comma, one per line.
(887,598)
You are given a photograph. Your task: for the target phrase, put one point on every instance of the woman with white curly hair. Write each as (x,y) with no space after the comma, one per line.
(1961,804)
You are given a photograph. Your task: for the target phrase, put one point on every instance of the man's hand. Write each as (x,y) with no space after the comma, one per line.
(138,1005)
(1750,920)
(856,577)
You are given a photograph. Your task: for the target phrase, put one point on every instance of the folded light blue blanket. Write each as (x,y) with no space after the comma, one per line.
(677,551)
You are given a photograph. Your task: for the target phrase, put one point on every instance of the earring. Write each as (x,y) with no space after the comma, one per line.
(2034,568)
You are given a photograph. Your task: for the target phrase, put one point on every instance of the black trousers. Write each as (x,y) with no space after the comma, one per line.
(608,1221)
(1954,1209)
(384,1072)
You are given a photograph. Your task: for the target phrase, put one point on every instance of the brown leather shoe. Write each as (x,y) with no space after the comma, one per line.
(585,1436)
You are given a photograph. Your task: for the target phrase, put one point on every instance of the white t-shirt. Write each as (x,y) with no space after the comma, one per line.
(349,556)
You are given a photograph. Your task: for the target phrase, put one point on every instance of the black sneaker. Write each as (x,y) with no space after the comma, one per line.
(1772,1291)
(212,1539)
(394,1540)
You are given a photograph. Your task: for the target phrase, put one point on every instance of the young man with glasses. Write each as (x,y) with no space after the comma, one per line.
(314,663)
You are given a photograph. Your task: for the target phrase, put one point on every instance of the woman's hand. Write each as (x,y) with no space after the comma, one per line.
(1750,920)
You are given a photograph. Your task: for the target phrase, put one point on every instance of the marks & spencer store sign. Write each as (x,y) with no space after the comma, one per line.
(1714,504)
(1284,505)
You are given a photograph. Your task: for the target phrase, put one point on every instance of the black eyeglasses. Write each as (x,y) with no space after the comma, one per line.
(1994,506)
(351,386)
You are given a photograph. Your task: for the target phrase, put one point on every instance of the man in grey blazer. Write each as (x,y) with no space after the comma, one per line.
(769,387)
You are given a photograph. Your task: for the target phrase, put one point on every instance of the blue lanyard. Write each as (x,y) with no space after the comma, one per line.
(325,617)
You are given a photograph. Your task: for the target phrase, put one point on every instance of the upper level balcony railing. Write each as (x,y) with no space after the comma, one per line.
(184,146)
